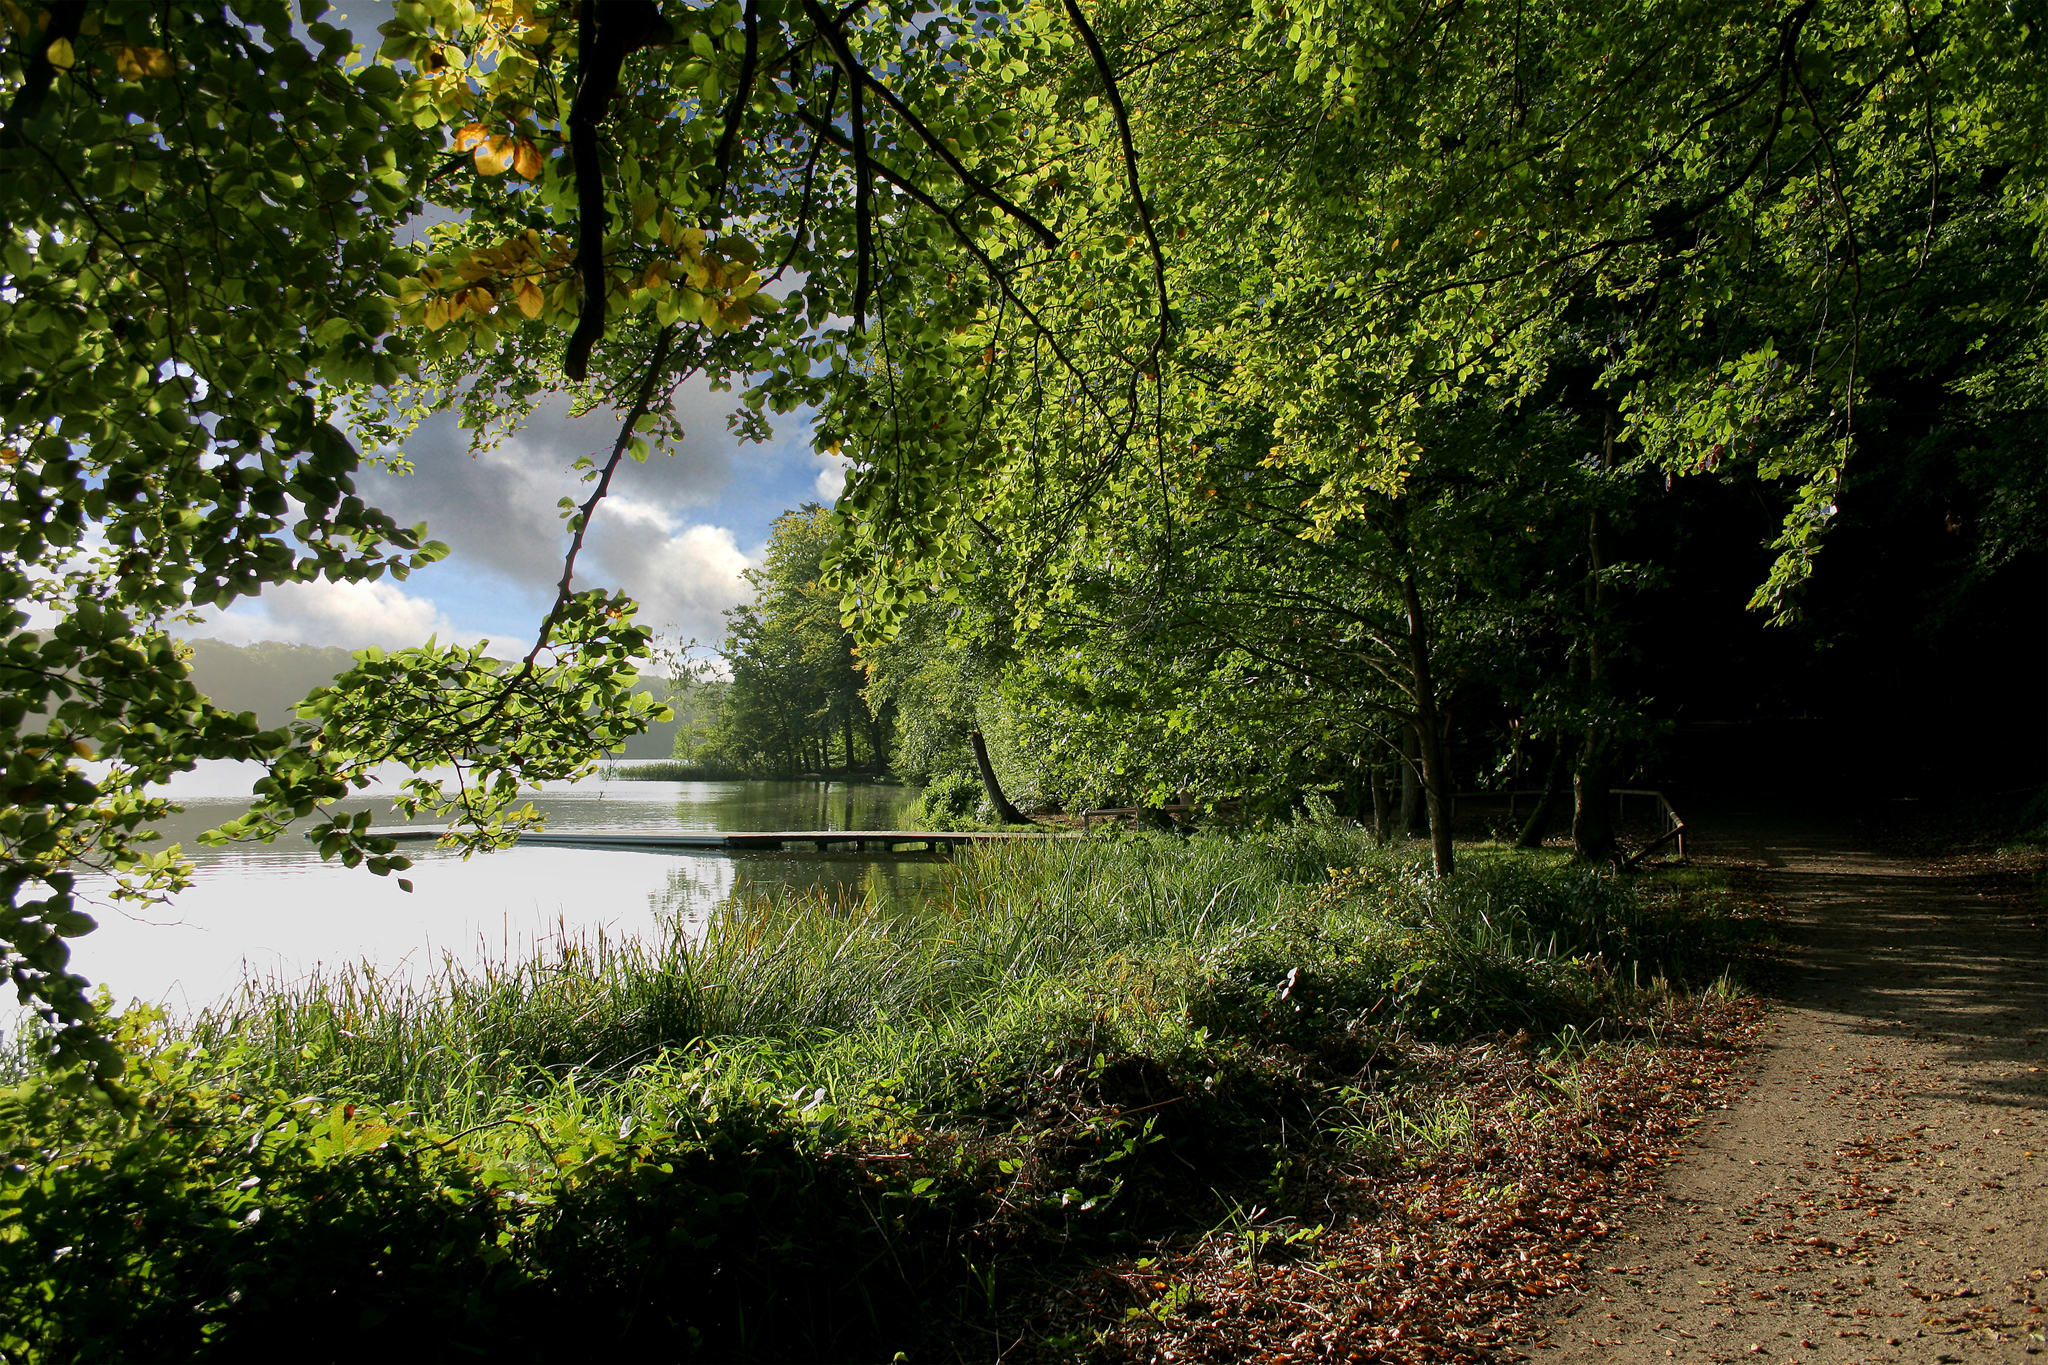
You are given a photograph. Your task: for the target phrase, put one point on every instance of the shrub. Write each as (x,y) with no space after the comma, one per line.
(947,801)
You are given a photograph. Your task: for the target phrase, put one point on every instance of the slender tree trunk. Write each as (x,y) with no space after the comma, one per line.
(1411,783)
(1593,819)
(1593,815)
(1005,812)
(847,718)
(1382,802)
(1557,784)
(1428,731)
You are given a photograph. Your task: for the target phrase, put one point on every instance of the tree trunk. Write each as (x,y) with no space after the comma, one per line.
(1381,807)
(878,747)
(1005,812)
(1593,820)
(1428,732)
(1411,784)
(1382,778)
(1556,792)
(847,729)
(1593,815)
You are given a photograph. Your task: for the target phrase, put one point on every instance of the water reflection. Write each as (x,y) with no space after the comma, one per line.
(278,911)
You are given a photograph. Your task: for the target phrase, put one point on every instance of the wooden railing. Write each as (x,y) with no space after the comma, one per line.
(1087,817)
(1674,823)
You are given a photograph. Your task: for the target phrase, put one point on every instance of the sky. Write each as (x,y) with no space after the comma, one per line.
(675,533)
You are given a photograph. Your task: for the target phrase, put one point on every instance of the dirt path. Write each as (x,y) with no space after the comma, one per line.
(1882,1192)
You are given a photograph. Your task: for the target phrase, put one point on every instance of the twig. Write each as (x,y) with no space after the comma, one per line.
(735,111)
(655,368)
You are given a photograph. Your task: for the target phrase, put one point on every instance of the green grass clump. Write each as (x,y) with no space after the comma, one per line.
(814,1126)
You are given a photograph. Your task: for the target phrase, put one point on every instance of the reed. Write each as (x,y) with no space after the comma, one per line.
(1015,941)
(665,770)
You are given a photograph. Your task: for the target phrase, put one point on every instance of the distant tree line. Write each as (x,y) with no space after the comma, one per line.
(790,701)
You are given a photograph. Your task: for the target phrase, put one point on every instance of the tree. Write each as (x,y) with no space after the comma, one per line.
(796,686)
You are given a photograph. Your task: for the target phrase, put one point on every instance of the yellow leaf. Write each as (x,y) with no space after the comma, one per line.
(134,63)
(17,18)
(495,156)
(526,159)
(530,299)
(60,54)
(437,314)
(469,135)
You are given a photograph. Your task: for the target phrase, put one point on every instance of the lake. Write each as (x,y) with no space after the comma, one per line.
(278,911)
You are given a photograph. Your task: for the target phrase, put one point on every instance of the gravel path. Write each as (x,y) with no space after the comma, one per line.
(1881,1194)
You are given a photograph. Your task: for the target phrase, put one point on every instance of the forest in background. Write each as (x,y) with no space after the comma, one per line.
(1922,624)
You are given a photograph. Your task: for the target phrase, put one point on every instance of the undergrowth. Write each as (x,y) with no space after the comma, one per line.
(821,1128)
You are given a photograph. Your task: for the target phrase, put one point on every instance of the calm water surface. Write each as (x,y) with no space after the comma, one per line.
(277,911)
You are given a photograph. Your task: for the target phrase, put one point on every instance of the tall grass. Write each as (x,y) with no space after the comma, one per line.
(829,980)
(839,990)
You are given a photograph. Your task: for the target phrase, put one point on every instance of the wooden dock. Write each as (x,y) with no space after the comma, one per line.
(746,841)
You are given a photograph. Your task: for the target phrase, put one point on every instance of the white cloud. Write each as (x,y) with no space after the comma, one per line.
(351,615)
(497,509)
(685,579)
(831,476)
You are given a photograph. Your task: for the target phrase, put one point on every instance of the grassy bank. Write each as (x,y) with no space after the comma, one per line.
(818,1129)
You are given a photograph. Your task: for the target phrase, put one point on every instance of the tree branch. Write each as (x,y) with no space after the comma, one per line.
(1123,131)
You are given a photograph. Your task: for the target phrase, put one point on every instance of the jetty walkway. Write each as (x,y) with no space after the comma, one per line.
(748,841)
